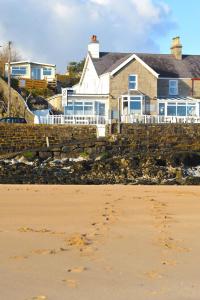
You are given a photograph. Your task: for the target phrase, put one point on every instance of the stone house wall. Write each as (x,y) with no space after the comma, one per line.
(147,83)
(184,87)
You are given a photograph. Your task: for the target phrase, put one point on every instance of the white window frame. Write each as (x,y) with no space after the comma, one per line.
(173,87)
(127,98)
(178,103)
(131,81)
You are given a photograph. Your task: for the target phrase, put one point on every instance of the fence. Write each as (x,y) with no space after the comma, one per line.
(147,119)
(75,120)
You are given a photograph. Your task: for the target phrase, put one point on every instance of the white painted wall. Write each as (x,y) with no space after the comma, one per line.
(90,82)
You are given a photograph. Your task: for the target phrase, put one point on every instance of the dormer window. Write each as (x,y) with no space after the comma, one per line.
(173,87)
(132,82)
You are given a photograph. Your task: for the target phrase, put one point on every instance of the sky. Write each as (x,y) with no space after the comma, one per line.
(58,31)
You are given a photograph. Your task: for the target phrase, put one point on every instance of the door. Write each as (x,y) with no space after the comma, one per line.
(36,74)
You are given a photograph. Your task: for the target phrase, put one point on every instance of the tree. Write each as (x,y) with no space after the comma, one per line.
(4,53)
(75,69)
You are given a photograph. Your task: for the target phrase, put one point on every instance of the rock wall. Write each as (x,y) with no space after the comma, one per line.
(20,137)
(160,137)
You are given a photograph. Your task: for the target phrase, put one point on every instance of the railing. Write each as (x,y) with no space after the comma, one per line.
(77,120)
(147,119)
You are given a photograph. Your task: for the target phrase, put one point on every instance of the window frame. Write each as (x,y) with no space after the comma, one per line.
(18,69)
(171,93)
(47,69)
(128,99)
(131,81)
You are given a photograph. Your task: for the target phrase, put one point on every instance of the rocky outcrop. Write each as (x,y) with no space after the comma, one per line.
(101,162)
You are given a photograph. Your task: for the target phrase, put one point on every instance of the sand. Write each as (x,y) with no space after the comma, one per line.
(99,242)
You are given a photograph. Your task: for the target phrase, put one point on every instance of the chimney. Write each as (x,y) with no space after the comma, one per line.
(93,47)
(176,48)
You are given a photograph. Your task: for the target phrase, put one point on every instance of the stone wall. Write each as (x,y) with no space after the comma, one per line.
(19,137)
(163,137)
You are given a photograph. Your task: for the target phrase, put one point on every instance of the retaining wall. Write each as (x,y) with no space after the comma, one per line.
(19,137)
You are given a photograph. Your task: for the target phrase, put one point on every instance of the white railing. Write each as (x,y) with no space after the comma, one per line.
(74,120)
(146,119)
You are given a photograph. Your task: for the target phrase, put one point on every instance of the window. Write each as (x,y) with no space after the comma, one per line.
(161,109)
(47,71)
(191,110)
(99,108)
(135,105)
(78,108)
(181,109)
(132,105)
(173,87)
(132,82)
(88,108)
(17,71)
(69,110)
(178,109)
(171,109)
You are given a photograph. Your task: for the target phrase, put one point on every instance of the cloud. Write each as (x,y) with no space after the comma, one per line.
(58,31)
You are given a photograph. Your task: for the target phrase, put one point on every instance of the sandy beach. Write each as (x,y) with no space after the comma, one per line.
(99,242)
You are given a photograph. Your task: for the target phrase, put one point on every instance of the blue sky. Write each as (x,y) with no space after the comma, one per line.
(186,14)
(58,31)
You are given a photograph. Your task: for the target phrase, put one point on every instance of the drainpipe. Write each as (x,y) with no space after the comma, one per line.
(119,117)
(9,79)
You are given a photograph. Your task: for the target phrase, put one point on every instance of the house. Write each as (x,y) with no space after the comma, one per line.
(136,86)
(32,70)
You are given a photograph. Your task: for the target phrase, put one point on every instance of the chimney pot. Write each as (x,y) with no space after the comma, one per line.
(176,48)
(94,39)
(93,47)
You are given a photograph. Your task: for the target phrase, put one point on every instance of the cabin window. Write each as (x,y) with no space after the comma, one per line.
(47,71)
(16,71)
(173,87)
(132,82)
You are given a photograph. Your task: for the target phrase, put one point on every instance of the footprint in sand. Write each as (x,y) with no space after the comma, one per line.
(77,270)
(72,283)
(153,275)
(44,251)
(18,257)
(172,263)
(40,298)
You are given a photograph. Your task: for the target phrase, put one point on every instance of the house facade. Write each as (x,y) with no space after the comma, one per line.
(32,70)
(131,86)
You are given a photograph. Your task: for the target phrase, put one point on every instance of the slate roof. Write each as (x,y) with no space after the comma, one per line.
(164,64)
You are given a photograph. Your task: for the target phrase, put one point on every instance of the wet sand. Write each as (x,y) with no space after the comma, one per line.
(99,242)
